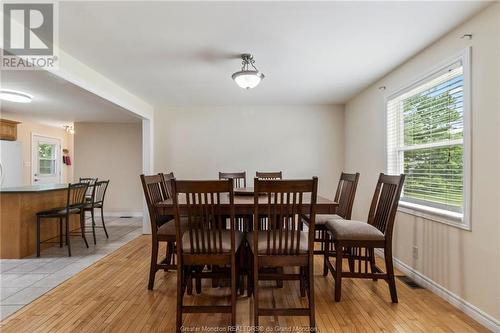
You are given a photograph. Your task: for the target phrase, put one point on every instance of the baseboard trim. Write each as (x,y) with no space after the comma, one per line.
(472,311)
(117,214)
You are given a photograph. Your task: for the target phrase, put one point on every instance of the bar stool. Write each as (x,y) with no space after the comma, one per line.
(74,205)
(91,181)
(97,202)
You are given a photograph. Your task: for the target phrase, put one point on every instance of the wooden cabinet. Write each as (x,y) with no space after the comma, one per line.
(8,130)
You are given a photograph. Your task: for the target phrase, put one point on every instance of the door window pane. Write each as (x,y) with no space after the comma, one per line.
(46,159)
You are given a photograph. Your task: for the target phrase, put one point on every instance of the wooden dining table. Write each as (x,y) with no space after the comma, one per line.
(244,203)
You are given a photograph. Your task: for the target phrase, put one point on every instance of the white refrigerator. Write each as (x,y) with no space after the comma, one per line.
(10,163)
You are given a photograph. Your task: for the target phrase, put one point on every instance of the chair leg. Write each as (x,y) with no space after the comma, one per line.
(82,228)
(180,296)
(60,232)
(198,280)
(189,287)
(169,254)
(250,277)
(240,285)
(310,275)
(102,219)
(38,236)
(215,282)
(338,271)
(93,224)
(68,243)
(326,248)
(390,274)
(279,283)
(302,282)
(350,259)
(255,290)
(233,290)
(373,269)
(153,266)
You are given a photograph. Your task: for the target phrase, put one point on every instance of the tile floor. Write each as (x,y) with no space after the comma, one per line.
(24,280)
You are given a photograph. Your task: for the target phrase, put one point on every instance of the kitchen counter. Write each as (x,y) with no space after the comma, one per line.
(34,188)
(18,208)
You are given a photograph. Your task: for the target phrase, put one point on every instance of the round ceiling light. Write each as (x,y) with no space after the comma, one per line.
(248,78)
(15,96)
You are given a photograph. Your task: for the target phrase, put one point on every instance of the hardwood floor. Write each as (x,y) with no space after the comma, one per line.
(112,296)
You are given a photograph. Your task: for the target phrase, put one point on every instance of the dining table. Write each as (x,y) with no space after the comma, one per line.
(244,206)
(244,203)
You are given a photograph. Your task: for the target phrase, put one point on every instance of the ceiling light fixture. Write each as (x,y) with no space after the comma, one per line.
(249,76)
(15,96)
(69,128)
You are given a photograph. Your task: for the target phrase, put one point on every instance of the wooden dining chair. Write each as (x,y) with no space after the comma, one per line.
(240,178)
(206,240)
(162,226)
(358,240)
(97,202)
(240,181)
(284,243)
(167,179)
(269,175)
(75,201)
(264,221)
(344,196)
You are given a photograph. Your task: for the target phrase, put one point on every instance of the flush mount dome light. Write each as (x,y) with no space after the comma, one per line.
(15,96)
(247,78)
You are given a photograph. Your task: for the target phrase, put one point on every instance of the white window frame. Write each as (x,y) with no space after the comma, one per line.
(459,220)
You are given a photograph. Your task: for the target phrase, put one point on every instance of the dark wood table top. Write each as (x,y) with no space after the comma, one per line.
(244,204)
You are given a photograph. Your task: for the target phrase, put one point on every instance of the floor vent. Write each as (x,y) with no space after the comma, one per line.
(409,282)
(125,217)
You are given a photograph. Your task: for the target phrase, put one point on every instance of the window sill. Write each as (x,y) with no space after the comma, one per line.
(434,214)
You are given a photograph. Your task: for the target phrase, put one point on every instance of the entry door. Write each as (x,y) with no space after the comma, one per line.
(46,162)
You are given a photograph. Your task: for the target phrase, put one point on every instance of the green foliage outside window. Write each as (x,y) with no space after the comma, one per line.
(434,174)
(46,159)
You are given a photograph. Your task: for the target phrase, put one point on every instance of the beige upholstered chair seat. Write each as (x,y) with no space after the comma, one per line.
(353,230)
(226,241)
(262,245)
(323,218)
(168,228)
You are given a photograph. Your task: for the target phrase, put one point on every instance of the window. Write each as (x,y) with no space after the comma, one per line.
(427,140)
(47,159)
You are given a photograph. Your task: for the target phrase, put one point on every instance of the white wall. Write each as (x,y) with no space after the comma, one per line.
(29,126)
(112,151)
(301,141)
(465,263)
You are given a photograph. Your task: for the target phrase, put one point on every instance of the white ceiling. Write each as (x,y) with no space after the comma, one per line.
(56,101)
(183,53)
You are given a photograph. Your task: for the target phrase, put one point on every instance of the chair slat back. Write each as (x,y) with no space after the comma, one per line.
(76,195)
(206,220)
(269,175)
(167,178)
(89,180)
(385,203)
(154,192)
(346,191)
(285,203)
(240,178)
(99,191)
